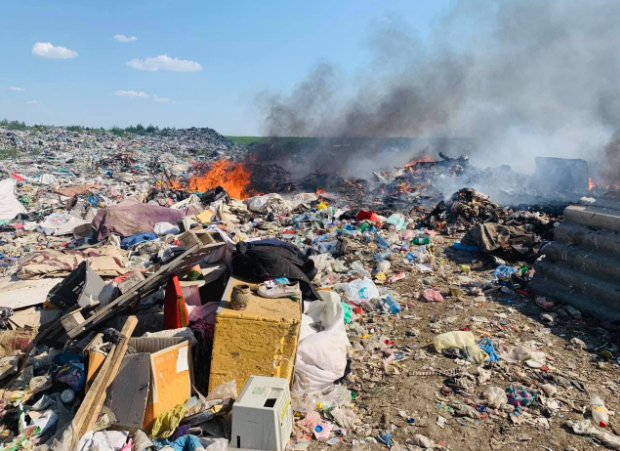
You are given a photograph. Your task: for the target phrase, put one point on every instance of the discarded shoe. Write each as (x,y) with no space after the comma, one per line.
(279,291)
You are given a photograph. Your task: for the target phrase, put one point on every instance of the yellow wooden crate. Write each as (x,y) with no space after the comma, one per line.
(260,340)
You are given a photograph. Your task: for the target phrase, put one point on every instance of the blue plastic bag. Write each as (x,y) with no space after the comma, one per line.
(504,272)
(487,346)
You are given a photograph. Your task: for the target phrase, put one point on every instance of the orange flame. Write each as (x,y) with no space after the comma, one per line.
(590,184)
(421,159)
(320,190)
(234,177)
(404,188)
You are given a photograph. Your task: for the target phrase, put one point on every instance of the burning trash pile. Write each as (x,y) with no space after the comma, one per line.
(155,300)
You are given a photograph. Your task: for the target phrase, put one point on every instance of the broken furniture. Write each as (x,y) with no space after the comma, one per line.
(79,324)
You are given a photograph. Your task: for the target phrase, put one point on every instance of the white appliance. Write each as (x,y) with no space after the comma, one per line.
(262,415)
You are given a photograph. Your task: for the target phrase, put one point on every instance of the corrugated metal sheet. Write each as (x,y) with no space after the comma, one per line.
(582,266)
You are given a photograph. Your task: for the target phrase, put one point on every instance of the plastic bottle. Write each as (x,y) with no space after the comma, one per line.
(382,241)
(324,248)
(600,416)
(392,304)
(382,256)
(420,240)
(358,268)
(322,431)
(410,256)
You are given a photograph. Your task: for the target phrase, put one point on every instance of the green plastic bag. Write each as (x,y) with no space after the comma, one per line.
(347,312)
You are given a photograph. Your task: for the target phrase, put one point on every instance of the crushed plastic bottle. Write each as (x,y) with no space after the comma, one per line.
(358,268)
(600,415)
(393,304)
(382,256)
(410,256)
(382,242)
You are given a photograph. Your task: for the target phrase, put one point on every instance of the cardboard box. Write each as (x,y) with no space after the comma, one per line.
(170,379)
(170,374)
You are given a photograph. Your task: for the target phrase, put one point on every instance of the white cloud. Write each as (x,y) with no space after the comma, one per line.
(123,38)
(16,89)
(33,102)
(161,99)
(47,50)
(164,63)
(133,94)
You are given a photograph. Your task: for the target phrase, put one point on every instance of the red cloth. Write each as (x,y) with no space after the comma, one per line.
(364,215)
(175,310)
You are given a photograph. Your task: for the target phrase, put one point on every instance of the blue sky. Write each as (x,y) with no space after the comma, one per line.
(227,53)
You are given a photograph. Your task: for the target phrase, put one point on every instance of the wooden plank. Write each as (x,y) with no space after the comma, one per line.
(90,408)
(128,394)
(96,386)
(94,360)
(179,264)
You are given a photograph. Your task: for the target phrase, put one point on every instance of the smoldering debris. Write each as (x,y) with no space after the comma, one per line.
(523,78)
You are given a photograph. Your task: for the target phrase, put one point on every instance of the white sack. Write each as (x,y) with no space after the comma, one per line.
(321,356)
(48,179)
(9,205)
(269,203)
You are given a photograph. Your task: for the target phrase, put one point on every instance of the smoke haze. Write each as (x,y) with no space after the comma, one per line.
(521,78)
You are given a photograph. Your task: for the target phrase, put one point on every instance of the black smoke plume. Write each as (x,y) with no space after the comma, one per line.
(519,78)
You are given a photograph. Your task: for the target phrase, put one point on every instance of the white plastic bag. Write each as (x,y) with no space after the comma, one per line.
(165,228)
(361,290)
(322,261)
(224,391)
(58,224)
(495,397)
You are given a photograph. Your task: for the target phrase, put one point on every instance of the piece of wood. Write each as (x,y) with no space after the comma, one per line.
(29,318)
(94,360)
(128,394)
(152,283)
(72,319)
(96,386)
(90,408)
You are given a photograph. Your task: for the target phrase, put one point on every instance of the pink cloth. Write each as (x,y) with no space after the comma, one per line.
(431,295)
(132,216)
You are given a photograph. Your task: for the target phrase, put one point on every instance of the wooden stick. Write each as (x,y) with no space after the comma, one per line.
(90,408)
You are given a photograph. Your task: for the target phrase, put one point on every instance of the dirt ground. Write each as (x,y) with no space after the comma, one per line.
(386,399)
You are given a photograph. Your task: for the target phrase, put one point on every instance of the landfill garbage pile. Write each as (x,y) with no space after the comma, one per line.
(58,139)
(134,309)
